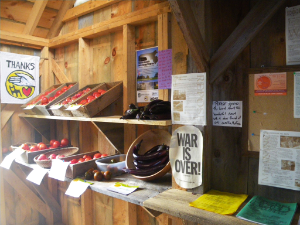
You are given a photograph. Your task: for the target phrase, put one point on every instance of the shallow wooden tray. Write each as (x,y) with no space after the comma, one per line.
(150,138)
(63,151)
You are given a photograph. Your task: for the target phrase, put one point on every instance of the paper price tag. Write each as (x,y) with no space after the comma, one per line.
(73,107)
(77,188)
(58,169)
(29,107)
(36,176)
(55,106)
(7,161)
(123,189)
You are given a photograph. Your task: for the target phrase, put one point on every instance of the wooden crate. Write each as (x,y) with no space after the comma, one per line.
(61,111)
(114,90)
(28,157)
(30,111)
(78,169)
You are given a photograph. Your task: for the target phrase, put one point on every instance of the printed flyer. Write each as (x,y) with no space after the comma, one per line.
(147,74)
(270,84)
(279,159)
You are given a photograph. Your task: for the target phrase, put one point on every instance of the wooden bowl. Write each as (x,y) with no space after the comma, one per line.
(63,151)
(150,138)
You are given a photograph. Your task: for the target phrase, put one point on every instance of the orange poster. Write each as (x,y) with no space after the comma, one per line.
(270,84)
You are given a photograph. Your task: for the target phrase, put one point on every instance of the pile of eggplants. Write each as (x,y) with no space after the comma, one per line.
(155,110)
(151,162)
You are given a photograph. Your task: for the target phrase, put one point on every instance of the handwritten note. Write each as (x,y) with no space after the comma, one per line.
(227,113)
(165,69)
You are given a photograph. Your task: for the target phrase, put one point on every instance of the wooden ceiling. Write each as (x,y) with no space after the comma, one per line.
(39,18)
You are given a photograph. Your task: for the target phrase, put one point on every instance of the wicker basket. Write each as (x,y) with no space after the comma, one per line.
(63,151)
(150,138)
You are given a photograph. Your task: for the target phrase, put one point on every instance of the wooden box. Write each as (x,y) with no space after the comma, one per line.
(114,90)
(58,109)
(78,169)
(28,157)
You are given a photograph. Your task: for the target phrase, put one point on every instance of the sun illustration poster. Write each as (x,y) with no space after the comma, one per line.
(19,78)
(270,84)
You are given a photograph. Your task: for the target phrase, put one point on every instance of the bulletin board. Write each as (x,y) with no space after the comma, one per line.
(270,112)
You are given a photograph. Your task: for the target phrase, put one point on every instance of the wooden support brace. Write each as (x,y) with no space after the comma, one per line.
(59,73)
(7,113)
(153,213)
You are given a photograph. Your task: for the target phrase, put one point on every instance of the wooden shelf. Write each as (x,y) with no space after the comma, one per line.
(145,191)
(176,203)
(107,119)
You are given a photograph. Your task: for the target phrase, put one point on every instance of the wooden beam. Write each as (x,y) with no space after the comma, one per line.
(7,112)
(86,8)
(34,16)
(164,43)
(259,15)
(139,17)
(191,32)
(2,199)
(22,189)
(23,39)
(84,63)
(58,23)
(44,69)
(59,73)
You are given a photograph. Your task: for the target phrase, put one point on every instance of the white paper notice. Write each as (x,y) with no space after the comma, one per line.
(73,107)
(188,99)
(279,159)
(36,176)
(58,106)
(7,161)
(186,152)
(77,188)
(122,188)
(292,34)
(228,114)
(58,169)
(297,95)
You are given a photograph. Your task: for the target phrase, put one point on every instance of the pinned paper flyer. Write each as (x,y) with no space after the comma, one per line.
(7,161)
(77,187)
(58,169)
(36,176)
(73,107)
(121,188)
(30,107)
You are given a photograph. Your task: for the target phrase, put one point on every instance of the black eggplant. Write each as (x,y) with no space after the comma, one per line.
(144,165)
(151,156)
(145,172)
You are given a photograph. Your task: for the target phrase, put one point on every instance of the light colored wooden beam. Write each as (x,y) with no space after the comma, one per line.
(139,17)
(59,73)
(22,189)
(2,199)
(34,16)
(58,23)
(259,15)
(86,8)
(191,32)
(7,112)
(23,40)
(84,63)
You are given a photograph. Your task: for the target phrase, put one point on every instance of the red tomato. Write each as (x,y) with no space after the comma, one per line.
(103,155)
(51,99)
(65,102)
(87,159)
(70,85)
(25,147)
(68,99)
(53,89)
(60,156)
(4,150)
(58,93)
(47,93)
(42,146)
(65,88)
(97,155)
(87,89)
(78,94)
(90,98)
(64,142)
(56,144)
(52,156)
(44,100)
(52,141)
(80,160)
(34,148)
(38,145)
(83,102)
(97,95)
(101,91)
(42,157)
(73,161)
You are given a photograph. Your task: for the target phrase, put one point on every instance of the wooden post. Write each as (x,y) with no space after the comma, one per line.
(84,63)
(129,80)
(2,201)
(164,43)
(44,69)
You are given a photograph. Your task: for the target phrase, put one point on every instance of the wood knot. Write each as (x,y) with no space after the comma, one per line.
(114,52)
(107,60)
(66,65)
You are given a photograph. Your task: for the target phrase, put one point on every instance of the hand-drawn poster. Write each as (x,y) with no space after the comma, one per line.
(270,84)
(279,159)
(188,100)
(147,74)
(292,35)
(19,77)
(165,69)
(186,153)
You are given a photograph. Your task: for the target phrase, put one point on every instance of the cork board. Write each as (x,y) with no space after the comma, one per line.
(271,112)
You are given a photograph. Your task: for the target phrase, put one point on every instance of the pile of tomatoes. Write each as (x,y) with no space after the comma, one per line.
(42,146)
(88,157)
(76,96)
(45,100)
(92,97)
(97,175)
